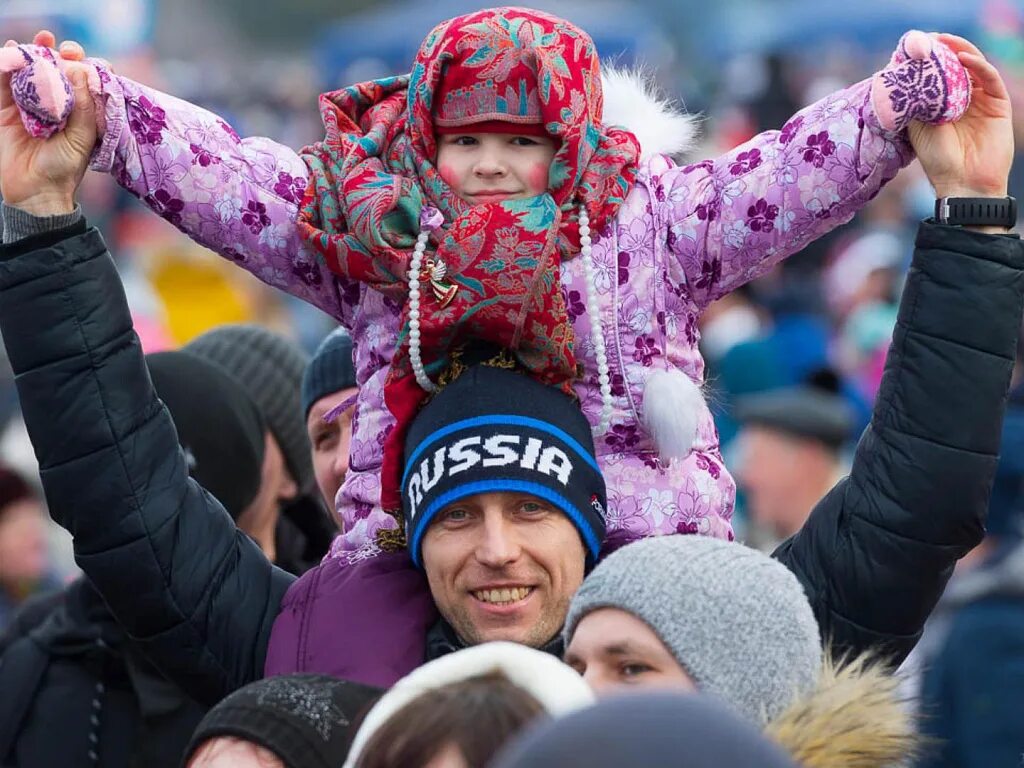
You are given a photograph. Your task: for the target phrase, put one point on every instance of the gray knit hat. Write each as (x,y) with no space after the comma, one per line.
(269,368)
(734,618)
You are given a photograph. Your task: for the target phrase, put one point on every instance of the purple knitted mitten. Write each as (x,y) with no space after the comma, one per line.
(41,89)
(924,81)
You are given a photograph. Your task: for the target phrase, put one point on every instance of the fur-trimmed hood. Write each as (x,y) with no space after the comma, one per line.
(853,719)
(555,686)
(632,101)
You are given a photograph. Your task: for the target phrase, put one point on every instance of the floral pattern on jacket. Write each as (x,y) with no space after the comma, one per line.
(685,236)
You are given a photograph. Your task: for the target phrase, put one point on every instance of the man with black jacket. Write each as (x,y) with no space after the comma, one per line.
(874,555)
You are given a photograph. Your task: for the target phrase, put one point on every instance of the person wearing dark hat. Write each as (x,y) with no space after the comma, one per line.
(67,659)
(328,403)
(295,721)
(646,730)
(288,514)
(791,453)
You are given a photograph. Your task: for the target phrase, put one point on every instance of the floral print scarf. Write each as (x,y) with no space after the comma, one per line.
(374,175)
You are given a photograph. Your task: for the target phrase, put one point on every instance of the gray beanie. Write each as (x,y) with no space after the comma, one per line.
(269,368)
(734,618)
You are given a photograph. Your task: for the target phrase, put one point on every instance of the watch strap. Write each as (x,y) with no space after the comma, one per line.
(977,211)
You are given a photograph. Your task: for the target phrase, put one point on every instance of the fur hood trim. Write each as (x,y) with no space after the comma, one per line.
(853,719)
(632,101)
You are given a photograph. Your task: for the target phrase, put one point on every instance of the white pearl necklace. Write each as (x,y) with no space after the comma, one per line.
(414,310)
(593,311)
(596,334)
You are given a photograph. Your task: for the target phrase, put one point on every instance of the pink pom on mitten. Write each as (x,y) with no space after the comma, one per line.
(924,81)
(42,93)
(41,89)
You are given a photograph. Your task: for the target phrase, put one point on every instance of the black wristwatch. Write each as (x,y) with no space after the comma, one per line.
(977,211)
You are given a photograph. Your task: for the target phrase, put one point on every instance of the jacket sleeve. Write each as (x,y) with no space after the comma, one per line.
(729,220)
(876,552)
(237,196)
(198,595)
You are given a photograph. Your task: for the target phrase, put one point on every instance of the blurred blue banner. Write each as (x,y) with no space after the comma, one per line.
(106,28)
(385,40)
(744,27)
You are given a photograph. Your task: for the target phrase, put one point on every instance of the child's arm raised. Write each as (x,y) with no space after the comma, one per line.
(731,219)
(236,196)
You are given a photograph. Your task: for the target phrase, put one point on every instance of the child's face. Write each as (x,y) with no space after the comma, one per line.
(491,167)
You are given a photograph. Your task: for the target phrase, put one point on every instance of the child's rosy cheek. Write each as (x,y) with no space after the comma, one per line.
(537,176)
(448,174)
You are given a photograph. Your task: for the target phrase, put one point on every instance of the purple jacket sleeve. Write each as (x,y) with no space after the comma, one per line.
(731,219)
(238,197)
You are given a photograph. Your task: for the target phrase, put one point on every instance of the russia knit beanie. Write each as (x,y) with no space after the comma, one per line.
(494,430)
(646,730)
(735,619)
(331,369)
(219,427)
(269,367)
(308,721)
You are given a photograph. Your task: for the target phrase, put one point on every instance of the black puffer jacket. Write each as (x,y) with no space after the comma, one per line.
(193,591)
(201,598)
(877,551)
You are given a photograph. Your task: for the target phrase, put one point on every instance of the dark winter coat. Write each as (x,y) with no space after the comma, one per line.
(972,691)
(76,693)
(200,597)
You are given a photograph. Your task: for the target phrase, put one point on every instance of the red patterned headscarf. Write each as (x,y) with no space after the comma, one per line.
(374,175)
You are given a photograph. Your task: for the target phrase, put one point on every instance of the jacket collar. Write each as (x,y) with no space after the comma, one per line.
(442,640)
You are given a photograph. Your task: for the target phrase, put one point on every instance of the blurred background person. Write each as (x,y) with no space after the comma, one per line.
(790,453)
(25,567)
(289,520)
(972,655)
(328,402)
(65,660)
(646,730)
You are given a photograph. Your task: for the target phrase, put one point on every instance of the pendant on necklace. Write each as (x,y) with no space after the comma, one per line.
(444,292)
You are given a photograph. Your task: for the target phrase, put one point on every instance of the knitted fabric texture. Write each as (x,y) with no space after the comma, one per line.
(19,224)
(734,618)
(219,427)
(269,369)
(494,430)
(43,92)
(374,174)
(306,720)
(330,370)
